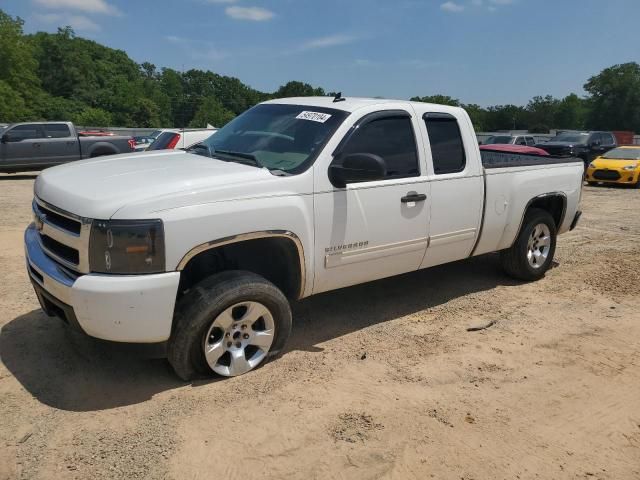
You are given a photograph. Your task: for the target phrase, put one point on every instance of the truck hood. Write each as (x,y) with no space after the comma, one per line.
(614,164)
(168,179)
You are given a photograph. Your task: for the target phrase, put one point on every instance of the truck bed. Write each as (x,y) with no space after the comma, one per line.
(491,159)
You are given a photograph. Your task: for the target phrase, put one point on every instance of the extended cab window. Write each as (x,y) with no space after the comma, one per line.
(392,139)
(25,132)
(56,130)
(447,149)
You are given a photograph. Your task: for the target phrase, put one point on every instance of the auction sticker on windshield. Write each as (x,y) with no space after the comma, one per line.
(314,116)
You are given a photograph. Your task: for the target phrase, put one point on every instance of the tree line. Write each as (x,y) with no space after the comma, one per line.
(60,76)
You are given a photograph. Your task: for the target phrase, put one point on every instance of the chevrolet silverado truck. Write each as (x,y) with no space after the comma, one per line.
(203,250)
(38,145)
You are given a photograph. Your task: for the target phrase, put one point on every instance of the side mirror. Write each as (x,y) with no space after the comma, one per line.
(5,138)
(357,167)
(596,143)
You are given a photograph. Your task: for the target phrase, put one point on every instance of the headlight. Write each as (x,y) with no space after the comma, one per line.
(127,246)
(592,165)
(628,168)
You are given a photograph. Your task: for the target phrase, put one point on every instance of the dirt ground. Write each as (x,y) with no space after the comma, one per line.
(379,381)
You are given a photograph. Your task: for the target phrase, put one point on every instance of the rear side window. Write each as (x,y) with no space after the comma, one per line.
(447,149)
(56,130)
(164,141)
(597,138)
(392,139)
(609,140)
(25,132)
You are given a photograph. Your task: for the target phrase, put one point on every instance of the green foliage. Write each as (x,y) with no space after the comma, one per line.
(615,98)
(438,99)
(542,112)
(298,89)
(478,116)
(12,105)
(93,117)
(211,112)
(60,76)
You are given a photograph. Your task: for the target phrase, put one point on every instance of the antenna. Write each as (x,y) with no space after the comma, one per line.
(338,98)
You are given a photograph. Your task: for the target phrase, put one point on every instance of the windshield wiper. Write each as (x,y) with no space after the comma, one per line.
(242,156)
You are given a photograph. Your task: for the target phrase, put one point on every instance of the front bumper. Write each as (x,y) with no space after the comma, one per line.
(119,308)
(614,176)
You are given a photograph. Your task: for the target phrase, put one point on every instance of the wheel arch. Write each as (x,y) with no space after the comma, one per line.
(284,265)
(553,202)
(102,148)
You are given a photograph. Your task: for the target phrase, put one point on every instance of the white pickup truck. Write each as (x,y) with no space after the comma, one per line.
(204,249)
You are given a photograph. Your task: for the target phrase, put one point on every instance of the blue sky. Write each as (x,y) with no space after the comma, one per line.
(481,51)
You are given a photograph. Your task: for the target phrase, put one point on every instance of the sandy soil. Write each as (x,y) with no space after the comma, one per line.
(379,381)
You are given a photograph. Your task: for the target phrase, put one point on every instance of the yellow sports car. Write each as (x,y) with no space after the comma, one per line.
(620,165)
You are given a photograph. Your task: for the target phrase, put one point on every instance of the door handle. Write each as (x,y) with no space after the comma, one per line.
(36,145)
(413,197)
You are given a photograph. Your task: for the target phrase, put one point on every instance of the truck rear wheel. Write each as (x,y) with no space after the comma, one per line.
(532,253)
(228,324)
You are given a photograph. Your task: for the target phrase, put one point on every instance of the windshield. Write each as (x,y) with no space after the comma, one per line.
(503,139)
(623,154)
(275,136)
(571,138)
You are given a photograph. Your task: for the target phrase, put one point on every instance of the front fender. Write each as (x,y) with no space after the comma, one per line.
(191,230)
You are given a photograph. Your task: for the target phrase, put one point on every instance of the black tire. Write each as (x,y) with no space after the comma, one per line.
(514,260)
(592,184)
(197,309)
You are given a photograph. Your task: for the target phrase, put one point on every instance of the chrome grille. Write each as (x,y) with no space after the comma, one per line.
(64,237)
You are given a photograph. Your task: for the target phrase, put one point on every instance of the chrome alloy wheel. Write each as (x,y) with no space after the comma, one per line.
(239,339)
(538,246)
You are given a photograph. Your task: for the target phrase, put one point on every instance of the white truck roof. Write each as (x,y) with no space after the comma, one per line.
(351,104)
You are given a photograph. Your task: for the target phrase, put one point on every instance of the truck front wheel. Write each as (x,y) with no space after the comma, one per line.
(228,324)
(532,253)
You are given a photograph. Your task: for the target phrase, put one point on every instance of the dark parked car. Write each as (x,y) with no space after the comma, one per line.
(584,145)
(38,145)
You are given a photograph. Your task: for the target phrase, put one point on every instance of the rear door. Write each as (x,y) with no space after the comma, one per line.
(457,185)
(58,144)
(23,147)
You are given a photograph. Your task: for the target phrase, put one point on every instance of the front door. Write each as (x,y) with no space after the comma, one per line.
(379,228)
(23,146)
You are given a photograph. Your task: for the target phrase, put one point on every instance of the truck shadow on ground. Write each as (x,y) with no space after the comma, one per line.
(69,371)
